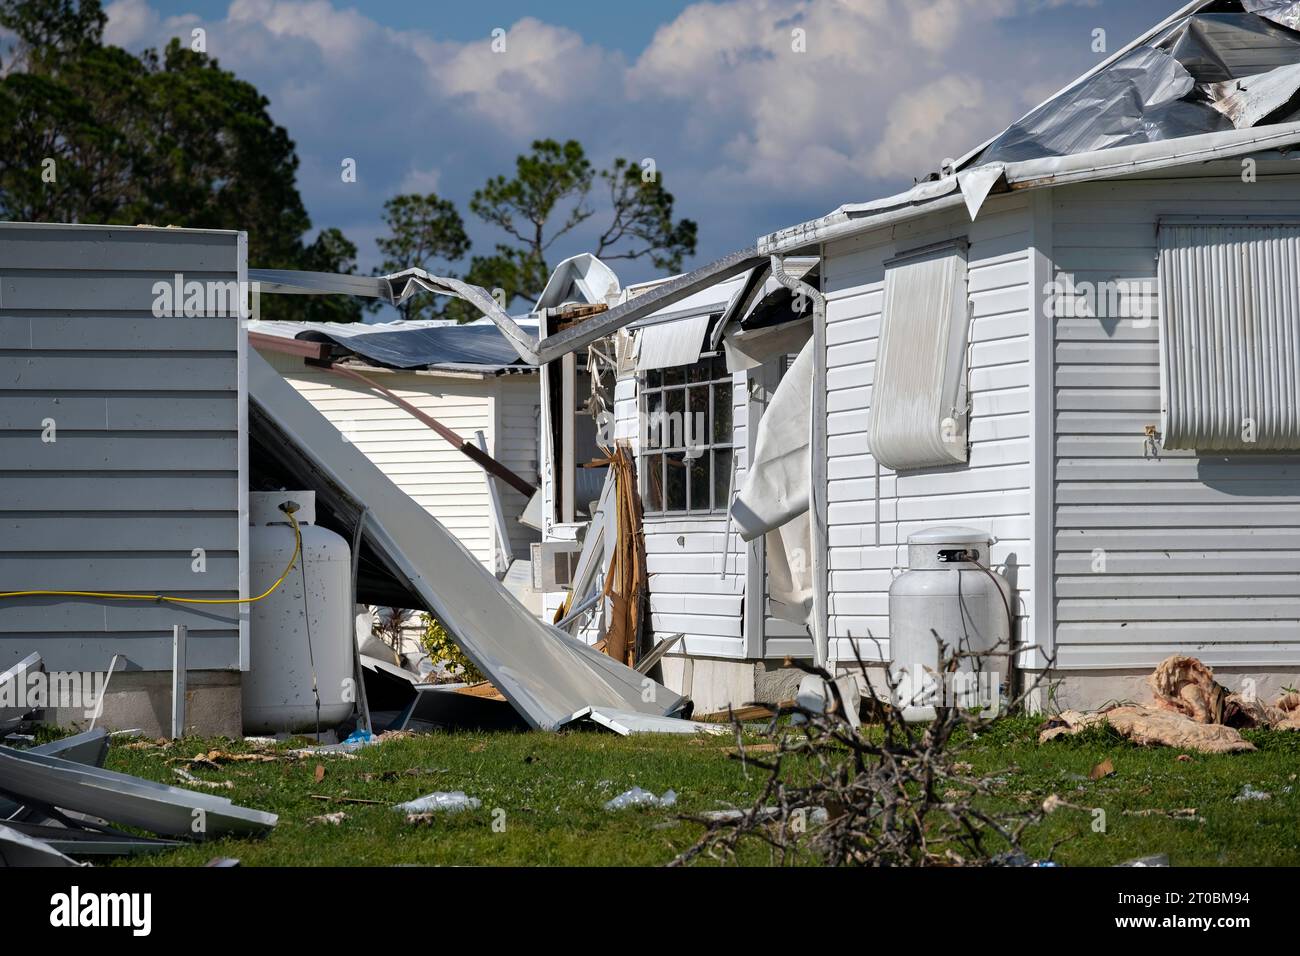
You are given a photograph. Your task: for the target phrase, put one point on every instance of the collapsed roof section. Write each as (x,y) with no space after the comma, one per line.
(546,675)
(433,345)
(398,287)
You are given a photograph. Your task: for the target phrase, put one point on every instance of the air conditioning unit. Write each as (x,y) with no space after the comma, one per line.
(554,564)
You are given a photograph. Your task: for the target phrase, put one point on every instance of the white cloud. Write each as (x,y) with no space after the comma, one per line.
(746,131)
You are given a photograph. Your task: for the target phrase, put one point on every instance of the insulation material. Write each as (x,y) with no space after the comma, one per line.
(918,397)
(669,344)
(1148,727)
(545,674)
(1191,711)
(1230,336)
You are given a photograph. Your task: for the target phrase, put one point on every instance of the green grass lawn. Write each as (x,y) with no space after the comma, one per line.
(552,788)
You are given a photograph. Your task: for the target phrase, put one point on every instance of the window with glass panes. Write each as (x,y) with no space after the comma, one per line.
(686,438)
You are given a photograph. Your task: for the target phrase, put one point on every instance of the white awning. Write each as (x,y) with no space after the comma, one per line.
(667,344)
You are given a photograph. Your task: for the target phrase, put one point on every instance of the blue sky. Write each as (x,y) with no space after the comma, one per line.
(749,134)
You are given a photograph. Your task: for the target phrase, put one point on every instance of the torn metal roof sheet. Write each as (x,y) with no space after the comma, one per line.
(1215,80)
(545,674)
(435,345)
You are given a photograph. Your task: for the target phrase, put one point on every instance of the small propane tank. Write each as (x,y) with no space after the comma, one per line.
(945,592)
(277,689)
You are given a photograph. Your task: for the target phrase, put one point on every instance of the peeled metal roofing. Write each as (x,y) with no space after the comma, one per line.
(545,674)
(426,344)
(1152,105)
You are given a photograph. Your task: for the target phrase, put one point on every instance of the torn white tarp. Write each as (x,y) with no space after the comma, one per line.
(673,343)
(545,674)
(976,184)
(774,497)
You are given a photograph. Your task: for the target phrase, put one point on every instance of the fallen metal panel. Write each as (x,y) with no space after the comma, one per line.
(124,799)
(18,849)
(78,842)
(89,748)
(626,723)
(543,672)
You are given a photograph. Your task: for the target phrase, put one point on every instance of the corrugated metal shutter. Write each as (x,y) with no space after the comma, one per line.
(918,399)
(1230,336)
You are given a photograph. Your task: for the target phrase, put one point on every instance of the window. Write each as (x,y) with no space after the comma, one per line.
(1229,328)
(918,394)
(686,438)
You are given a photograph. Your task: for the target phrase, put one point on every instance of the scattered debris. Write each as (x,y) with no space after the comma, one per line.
(333,819)
(636,797)
(332,799)
(1249,793)
(222,862)
(1104,769)
(1185,813)
(453,802)
(1190,710)
(195,781)
(1158,859)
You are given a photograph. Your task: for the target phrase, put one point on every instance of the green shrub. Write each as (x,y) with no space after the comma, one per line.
(442,650)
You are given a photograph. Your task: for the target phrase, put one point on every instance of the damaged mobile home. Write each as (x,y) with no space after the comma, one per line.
(1050,394)
(1070,357)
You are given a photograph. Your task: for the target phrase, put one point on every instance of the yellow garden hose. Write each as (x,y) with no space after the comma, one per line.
(112,596)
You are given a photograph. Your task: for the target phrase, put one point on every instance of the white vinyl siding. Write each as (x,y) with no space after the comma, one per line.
(697,568)
(445,482)
(1177,551)
(1230,336)
(992,491)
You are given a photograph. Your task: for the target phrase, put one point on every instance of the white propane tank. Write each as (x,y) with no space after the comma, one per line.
(943,592)
(277,689)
